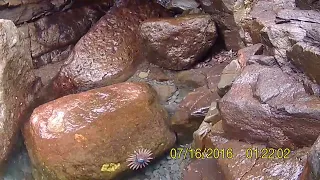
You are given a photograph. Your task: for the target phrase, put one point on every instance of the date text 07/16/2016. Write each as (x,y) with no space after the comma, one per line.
(228,153)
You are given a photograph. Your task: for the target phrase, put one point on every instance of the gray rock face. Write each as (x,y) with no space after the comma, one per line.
(266,105)
(110,52)
(16,84)
(177,43)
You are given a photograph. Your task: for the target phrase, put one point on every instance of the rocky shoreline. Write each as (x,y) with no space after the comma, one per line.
(90,84)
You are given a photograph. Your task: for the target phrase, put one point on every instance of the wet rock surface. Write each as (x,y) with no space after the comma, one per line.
(225,13)
(25,10)
(270,95)
(16,85)
(237,161)
(167,41)
(191,112)
(269,98)
(51,36)
(95,128)
(109,53)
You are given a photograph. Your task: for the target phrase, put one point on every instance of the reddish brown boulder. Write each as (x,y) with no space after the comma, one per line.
(191,111)
(109,52)
(90,135)
(268,106)
(178,43)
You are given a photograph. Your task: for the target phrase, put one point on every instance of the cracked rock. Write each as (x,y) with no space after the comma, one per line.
(262,102)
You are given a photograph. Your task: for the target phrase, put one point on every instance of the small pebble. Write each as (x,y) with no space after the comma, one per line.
(143,75)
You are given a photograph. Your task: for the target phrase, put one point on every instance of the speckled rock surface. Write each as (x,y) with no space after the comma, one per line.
(16,87)
(260,104)
(95,128)
(167,41)
(109,52)
(50,36)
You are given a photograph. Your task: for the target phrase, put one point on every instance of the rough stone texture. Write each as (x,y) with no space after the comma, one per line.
(50,36)
(262,60)
(307,57)
(268,106)
(263,15)
(164,91)
(241,166)
(53,56)
(228,75)
(191,78)
(21,11)
(191,112)
(228,14)
(213,115)
(284,28)
(182,5)
(16,85)
(214,75)
(74,136)
(202,169)
(312,167)
(177,43)
(308,4)
(109,52)
(246,53)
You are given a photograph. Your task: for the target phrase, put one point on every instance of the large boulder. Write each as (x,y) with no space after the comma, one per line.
(110,52)
(268,106)
(16,88)
(51,36)
(168,41)
(90,135)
